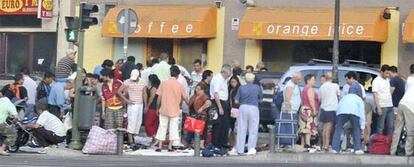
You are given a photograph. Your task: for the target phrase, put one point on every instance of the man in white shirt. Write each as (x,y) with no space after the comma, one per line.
(7,133)
(410,79)
(162,69)
(381,89)
(147,72)
(329,93)
(48,129)
(31,87)
(219,95)
(196,75)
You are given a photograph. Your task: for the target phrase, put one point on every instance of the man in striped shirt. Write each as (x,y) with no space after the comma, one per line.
(134,87)
(64,66)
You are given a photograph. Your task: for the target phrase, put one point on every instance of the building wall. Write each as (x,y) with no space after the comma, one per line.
(235,48)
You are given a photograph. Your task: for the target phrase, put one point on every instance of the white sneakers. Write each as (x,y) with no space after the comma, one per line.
(233,151)
(359,152)
(251,152)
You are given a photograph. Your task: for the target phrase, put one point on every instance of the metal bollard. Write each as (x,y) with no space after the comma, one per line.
(120,141)
(197,144)
(271,138)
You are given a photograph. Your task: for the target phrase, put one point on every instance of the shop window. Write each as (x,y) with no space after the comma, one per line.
(37,51)
(30,21)
(190,50)
(135,48)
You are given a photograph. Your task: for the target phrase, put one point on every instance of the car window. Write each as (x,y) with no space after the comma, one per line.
(366,79)
(341,77)
(316,73)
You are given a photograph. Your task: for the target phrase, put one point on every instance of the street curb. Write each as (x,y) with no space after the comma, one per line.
(331,158)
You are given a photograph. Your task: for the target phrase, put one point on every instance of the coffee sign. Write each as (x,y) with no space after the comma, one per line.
(18,7)
(45,9)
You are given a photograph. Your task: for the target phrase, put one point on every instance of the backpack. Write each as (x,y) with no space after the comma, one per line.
(278,100)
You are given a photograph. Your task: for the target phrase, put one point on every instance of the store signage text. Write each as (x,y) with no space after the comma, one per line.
(163,27)
(45,9)
(308,30)
(18,7)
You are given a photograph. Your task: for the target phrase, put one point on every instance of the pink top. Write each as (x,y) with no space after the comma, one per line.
(306,101)
(135,90)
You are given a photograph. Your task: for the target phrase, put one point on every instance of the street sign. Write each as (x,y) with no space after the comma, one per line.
(132,21)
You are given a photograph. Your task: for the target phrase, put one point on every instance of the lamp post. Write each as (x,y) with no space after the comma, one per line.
(335,53)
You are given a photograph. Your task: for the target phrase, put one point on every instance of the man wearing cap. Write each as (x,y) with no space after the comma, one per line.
(350,108)
(134,87)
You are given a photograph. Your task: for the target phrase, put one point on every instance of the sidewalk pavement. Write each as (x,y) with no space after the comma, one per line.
(262,157)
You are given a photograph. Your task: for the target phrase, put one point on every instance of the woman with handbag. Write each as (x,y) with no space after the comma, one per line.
(199,104)
(248,96)
(309,112)
(234,85)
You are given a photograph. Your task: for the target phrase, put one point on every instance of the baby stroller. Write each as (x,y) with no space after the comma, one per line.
(25,118)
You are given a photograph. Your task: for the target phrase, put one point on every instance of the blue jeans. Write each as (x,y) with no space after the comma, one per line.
(356,127)
(387,118)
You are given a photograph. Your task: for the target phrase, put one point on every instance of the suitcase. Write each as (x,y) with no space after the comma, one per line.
(380,144)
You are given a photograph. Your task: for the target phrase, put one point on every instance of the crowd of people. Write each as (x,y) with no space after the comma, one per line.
(328,114)
(161,96)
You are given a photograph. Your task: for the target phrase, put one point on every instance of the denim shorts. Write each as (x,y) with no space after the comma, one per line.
(327,116)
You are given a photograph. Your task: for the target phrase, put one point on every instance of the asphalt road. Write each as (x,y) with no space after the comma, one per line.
(24,160)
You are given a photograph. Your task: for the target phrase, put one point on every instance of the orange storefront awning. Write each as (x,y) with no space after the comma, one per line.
(408,32)
(365,24)
(166,22)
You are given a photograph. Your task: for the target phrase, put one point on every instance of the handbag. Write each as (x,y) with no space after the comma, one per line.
(213,113)
(304,114)
(194,125)
(234,113)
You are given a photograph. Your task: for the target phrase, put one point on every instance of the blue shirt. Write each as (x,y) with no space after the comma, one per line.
(249,94)
(57,95)
(352,104)
(98,70)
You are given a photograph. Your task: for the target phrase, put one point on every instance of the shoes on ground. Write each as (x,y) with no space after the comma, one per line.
(252,152)
(359,152)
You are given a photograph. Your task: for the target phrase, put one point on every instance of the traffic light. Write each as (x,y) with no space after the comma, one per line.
(86,19)
(73,28)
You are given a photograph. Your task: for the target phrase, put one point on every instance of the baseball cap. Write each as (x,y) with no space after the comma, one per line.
(134,74)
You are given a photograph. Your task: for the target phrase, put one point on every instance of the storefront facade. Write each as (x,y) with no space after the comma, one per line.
(371,38)
(28,38)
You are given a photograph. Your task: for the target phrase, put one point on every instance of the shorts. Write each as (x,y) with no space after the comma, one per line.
(114,118)
(8,135)
(327,116)
(134,118)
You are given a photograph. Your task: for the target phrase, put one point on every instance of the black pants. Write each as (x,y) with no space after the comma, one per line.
(55,110)
(221,127)
(46,138)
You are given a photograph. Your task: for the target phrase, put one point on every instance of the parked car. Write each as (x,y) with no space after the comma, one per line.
(365,75)
(268,82)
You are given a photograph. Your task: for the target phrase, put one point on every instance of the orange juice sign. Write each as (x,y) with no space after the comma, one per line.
(45,9)
(18,7)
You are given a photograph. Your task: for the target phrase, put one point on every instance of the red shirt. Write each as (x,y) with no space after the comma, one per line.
(118,74)
(111,98)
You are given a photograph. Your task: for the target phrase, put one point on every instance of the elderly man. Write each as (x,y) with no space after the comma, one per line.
(162,69)
(7,133)
(170,94)
(219,94)
(64,66)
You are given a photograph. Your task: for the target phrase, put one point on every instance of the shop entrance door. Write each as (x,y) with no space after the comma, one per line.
(158,46)
(15,52)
